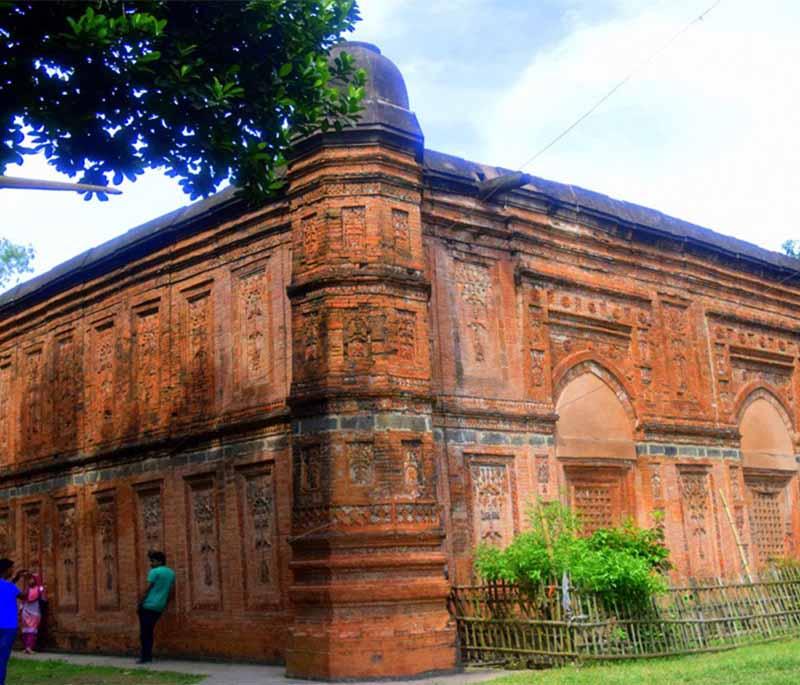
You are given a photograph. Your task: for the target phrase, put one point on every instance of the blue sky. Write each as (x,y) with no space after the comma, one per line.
(707,132)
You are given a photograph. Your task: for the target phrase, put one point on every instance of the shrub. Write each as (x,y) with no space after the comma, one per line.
(622,564)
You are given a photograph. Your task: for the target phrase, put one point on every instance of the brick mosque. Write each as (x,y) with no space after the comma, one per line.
(317,408)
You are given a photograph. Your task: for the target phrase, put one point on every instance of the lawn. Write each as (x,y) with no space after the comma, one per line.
(22,672)
(770,664)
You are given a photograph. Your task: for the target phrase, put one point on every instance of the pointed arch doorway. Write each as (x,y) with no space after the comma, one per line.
(595,445)
(768,466)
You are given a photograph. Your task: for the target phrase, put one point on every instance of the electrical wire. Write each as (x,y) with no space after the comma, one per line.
(619,85)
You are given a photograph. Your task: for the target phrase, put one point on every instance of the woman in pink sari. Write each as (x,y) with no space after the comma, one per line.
(31,612)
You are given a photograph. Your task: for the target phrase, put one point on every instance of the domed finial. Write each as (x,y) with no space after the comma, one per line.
(385,101)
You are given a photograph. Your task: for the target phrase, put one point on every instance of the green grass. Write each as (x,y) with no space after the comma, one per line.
(23,672)
(770,664)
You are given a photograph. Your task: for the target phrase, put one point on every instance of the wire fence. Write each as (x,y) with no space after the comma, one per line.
(501,624)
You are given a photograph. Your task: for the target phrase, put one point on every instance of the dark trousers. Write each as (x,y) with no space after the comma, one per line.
(147,624)
(7,637)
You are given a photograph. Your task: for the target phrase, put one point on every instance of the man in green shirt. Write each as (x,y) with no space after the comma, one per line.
(160,580)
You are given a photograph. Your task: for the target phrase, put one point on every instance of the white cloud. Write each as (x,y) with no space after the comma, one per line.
(707,132)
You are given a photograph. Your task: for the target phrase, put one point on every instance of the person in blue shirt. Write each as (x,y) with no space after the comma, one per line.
(9,623)
(160,580)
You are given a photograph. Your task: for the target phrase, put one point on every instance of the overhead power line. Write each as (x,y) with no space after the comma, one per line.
(619,85)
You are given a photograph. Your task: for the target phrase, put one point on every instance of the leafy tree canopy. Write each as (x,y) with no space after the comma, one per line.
(15,260)
(791,248)
(209,90)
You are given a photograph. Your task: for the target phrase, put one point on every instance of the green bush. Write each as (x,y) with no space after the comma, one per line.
(623,564)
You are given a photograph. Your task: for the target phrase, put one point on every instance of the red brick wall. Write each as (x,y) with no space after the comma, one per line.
(324,401)
(527,301)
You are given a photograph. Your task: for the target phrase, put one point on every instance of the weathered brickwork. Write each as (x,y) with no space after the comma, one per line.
(320,407)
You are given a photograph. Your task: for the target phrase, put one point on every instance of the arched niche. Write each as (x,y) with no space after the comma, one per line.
(593,422)
(766,433)
(594,443)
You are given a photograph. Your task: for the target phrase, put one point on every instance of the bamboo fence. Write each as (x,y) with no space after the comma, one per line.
(500,624)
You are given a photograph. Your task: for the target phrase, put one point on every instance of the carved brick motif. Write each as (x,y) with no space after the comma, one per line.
(401,231)
(310,231)
(67,555)
(150,523)
(312,337)
(146,365)
(69,377)
(404,333)
(736,489)
(251,343)
(695,500)
(5,409)
(656,485)
(357,337)
(354,229)
(542,473)
(310,468)
(491,504)
(104,360)
(204,545)
(105,545)
(361,463)
(32,536)
(564,320)
(414,484)
(199,390)
(474,285)
(676,324)
(33,400)
(259,534)
(745,353)
(8,533)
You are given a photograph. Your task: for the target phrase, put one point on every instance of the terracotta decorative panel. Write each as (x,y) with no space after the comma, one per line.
(354,230)
(8,532)
(198,351)
(203,534)
(106,559)
(405,335)
(103,357)
(697,521)
(33,426)
(259,534)
(251,324)
(746,352)
(414,481)
(149,523)
(6,370)
(69,379)
(32,536)
(492,502)
(361,462)
(67,570)
(680,352)
(312,338)
(310,475)
(656,482)
(474,285)
(401,231)
(542,474)
(358,335)
(147,364)
(311,236)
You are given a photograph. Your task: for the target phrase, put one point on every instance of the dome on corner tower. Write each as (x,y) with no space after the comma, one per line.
(385,104)
(384,80)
